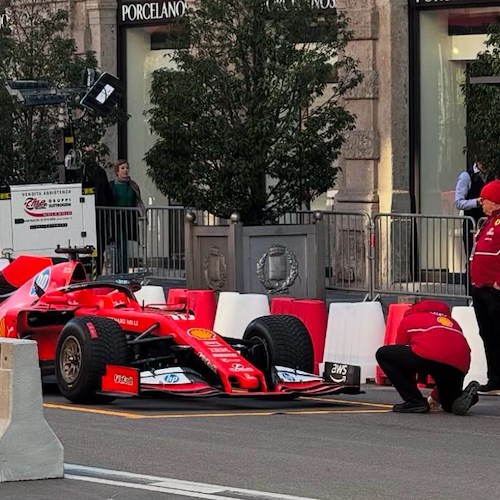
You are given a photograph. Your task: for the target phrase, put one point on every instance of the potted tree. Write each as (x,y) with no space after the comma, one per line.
(482,100)
(249,126)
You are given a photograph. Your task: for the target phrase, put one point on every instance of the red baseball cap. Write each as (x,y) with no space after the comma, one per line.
(491,191)
(434,306)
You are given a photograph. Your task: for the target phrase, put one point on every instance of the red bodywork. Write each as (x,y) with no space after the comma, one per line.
(49,295)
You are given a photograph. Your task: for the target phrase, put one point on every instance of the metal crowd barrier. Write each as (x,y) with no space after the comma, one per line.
(347,251)
(396,253)
(421,255)
(121,241)
(152,244)
(165,241)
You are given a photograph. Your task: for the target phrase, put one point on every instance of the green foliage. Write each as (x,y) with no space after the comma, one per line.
(247,122)
(35,46)
(483,104)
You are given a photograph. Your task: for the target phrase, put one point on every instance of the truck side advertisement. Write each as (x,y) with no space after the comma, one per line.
(37,218)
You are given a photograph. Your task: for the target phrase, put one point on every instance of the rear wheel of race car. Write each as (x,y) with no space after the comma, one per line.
(279,340)
(86,345)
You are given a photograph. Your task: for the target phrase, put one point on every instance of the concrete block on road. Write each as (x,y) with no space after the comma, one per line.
(29,449)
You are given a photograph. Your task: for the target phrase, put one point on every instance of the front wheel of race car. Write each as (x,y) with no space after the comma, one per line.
(279,340)
(86,345)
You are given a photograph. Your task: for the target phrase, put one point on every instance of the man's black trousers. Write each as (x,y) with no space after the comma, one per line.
(402,365)
(486,302)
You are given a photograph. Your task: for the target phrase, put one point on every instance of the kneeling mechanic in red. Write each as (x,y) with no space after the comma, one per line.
(431,343)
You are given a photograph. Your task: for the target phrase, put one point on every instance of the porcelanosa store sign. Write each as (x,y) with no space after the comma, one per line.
(153,12)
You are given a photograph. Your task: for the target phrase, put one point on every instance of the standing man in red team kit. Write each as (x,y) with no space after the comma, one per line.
(485,278)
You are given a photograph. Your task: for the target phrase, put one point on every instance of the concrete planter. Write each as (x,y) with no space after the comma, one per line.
(273,259)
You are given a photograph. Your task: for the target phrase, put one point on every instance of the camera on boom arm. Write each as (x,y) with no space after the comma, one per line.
(97,93)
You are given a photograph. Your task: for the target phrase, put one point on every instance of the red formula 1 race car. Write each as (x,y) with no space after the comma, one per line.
(101,343)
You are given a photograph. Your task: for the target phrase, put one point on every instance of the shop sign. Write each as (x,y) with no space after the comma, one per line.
(154,12)
(151,12)
(450,3)
(315,4)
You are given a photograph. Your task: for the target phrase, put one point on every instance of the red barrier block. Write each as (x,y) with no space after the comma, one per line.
(177,296)
(204,305)
(314,316)
(394,317)
(281,305)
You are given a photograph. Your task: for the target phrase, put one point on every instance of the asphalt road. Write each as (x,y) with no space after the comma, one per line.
(335,448)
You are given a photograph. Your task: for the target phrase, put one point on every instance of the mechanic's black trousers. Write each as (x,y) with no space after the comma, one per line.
(402,366)
(486,303)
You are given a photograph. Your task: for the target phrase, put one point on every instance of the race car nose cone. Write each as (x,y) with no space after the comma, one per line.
(247,381)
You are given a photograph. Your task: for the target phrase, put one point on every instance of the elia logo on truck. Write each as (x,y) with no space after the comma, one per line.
(41,281)
(34,206)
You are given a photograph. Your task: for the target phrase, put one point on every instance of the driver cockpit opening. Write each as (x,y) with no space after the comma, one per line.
(79,275)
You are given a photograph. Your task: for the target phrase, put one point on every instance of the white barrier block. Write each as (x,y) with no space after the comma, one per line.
(226,312)
(151,295)
(466,318)
(354,332)
(29,449)
(252,305)
(235,311)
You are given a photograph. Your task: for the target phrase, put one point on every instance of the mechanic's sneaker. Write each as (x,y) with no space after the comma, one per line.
(489,390)
(434,405)
(413,406)
(467,399)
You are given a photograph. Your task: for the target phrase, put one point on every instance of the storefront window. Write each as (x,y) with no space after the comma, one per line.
(148,49)
(449,39)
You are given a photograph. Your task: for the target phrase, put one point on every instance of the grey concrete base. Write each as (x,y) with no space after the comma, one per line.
(29,449)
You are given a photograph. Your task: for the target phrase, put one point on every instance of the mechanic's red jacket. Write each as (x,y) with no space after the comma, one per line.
(434,336)
(485,258)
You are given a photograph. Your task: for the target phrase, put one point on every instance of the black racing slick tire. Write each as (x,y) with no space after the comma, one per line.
(86,345)
(279,340)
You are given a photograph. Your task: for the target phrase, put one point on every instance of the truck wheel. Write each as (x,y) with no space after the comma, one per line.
(86,345)
(279,340)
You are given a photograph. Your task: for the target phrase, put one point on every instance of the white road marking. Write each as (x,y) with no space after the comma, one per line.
(167,485)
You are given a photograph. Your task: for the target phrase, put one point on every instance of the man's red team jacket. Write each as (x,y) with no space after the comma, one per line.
(485,259)
(436,337)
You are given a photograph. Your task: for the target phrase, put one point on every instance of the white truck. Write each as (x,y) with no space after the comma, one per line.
(35,218)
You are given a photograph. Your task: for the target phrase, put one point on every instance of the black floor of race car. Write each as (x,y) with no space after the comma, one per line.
(154,407)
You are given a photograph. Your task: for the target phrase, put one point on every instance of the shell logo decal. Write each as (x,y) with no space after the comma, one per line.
(201,333)
(445,321)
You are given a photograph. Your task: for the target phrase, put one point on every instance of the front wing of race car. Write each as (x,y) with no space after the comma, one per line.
(121,381)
